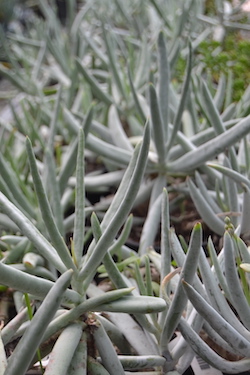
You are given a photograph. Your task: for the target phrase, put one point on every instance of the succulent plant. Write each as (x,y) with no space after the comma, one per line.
(182,140)
(76,269)
(226,292)
(152,341)
(86,94)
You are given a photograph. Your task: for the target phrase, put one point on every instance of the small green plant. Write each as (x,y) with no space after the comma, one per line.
(232,58)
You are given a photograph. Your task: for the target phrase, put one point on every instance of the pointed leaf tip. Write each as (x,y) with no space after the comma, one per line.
(197,226)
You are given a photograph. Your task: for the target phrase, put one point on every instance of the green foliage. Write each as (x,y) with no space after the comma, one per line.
(233,56)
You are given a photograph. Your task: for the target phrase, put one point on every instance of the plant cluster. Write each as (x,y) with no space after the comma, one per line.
(108,130)
(231,59)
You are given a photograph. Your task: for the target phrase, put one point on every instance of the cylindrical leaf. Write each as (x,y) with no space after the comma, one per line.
(29,230)
(106,349)
(34,285)
(179,301)
(220,325)
(89,268)
(208,355)
(235,288)
(3,358)
(47,215)
(118,134)
(157,125)
(210,149)
(79,224)
(135,305)
(78,364)
(63,350)
(25,350)
(205,210)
